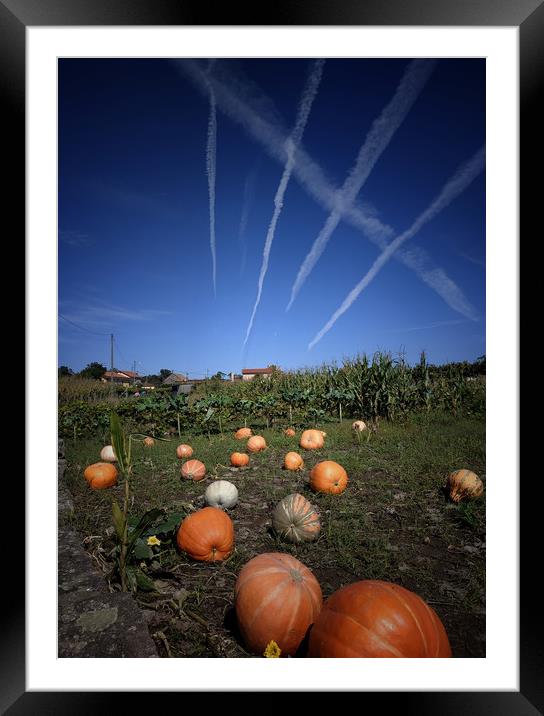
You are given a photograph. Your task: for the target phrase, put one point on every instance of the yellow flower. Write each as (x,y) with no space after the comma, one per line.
(151,541)
(272,650)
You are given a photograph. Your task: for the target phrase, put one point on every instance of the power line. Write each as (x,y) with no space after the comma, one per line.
(95,333)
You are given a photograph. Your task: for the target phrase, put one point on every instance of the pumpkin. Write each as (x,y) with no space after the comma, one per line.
(372,618)
(184,451)
(296,520)
(277,598)
(101,475)
(311,440)
(193,470)
(239,459)
(328,476)
(256,443)
(107,454)
(293,461)
(206,535)
(464,484)
(358,426)
(222,494)
(243,433)
(289,432)
(149,442)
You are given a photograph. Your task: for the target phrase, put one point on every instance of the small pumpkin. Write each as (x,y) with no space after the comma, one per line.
(107,454)
(373,618)
(256,443)
(328,476)
(358,426)
(193,470)
(222,494)
(277,598)
(464,485)
(206,535)
(239,459)
(311,440)
(243,433)
(296,520)
(149,442)
(293,461)
(183,451)
(101,475)
(290,432)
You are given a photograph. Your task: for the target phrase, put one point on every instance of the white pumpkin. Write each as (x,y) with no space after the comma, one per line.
(107,454)
(358,426)
(222,494)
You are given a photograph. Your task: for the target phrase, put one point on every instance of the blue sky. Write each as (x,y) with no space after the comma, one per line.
(144,144)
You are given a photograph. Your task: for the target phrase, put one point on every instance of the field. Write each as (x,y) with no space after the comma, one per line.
(393,522)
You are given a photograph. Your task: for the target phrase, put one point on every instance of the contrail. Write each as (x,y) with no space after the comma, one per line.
(211,154)
(249,190)
(292,143)
(250,108)
(455,186)
(381,132)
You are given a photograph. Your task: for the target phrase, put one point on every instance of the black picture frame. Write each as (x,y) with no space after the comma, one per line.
(528,16)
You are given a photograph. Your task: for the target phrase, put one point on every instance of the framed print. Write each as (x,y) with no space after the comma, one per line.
(68,86)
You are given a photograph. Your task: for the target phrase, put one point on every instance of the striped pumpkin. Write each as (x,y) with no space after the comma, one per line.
(296,520)
(276,598)
(464,485)
(373,619)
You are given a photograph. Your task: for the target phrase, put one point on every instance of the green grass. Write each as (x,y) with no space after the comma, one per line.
(393,522)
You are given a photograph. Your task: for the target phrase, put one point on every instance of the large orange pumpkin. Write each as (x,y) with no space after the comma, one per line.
(377,619)
(256,443)
(328,476)
(184,451)
(312,440)
(101,475)
(193,470)
(277,598)
(243,433)
(206,535)
(293,461)
(239,459)
(296,520)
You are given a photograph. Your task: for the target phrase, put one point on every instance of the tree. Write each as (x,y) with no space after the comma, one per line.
(93,370)
(64,371)
(164,373)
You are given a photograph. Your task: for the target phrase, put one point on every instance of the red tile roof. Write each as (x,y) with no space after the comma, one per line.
(257,371)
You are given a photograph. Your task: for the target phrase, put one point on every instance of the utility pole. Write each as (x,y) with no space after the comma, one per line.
(111,354)
(134,371)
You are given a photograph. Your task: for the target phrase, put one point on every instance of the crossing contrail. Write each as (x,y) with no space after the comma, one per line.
(211,155)
(292,143)
(245,104)
(381,132)
(455,186)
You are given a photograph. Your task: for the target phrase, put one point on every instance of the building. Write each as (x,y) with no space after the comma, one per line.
(124,377)
(175,379)
(250,373)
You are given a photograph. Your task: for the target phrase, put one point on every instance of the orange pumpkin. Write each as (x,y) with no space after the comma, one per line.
(256,443)
(206,535)
(193,470)
(296,520)
(243,433)
(328,476)
(276,597)
(312,440)
(289,432)
(149,442)
(239,459)
(101,475)
(293,461)
(183,451)
(377,619)
(464,485)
